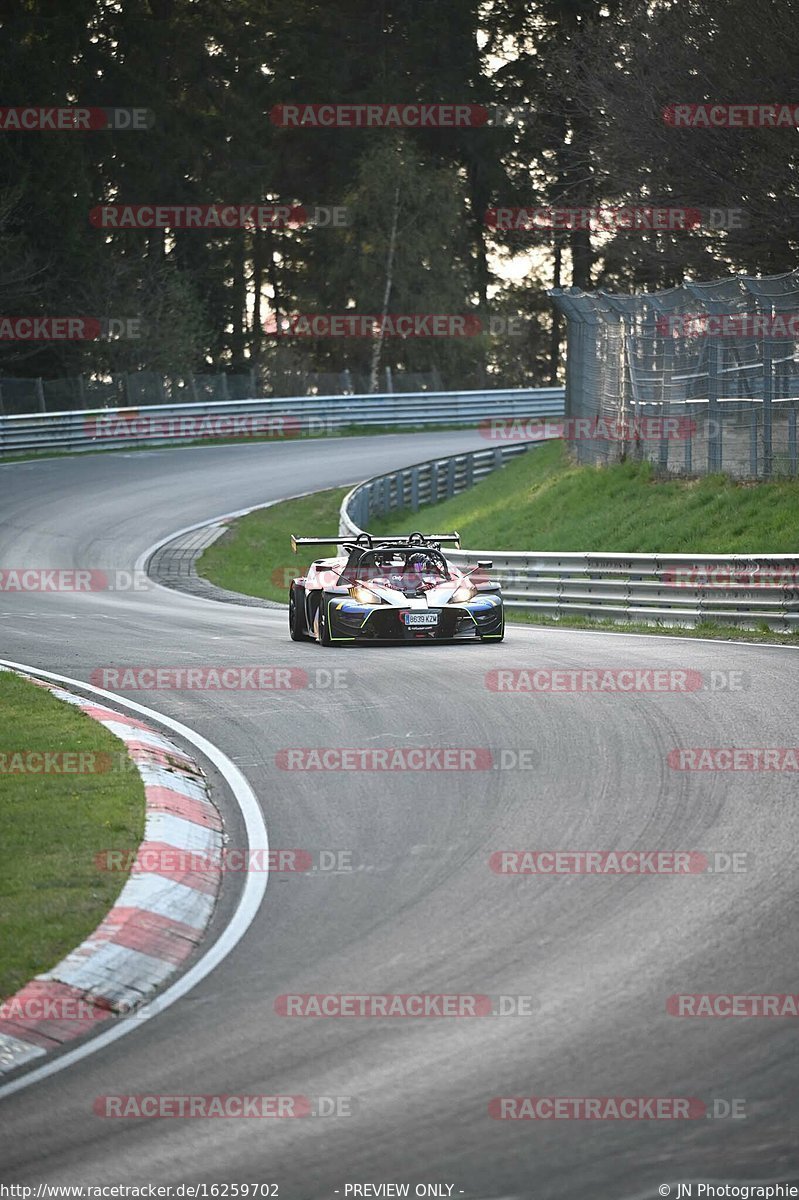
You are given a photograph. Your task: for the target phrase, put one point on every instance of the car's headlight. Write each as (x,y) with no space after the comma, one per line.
(363,595)
(464,591)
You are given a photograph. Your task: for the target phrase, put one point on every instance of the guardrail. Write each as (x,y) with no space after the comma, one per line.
(297,416)
(663,589)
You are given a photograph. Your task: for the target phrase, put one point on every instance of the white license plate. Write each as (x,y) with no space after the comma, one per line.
(424,619)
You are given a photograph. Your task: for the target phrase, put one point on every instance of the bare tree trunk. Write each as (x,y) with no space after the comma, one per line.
(392,245)
(257,285)
(555,332)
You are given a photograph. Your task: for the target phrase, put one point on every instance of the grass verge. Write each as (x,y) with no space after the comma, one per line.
(542,501)
(52,894)
(254,556)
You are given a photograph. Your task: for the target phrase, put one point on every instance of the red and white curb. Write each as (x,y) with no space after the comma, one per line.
(159,916)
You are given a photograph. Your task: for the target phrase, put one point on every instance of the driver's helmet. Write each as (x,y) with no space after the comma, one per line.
(418,563)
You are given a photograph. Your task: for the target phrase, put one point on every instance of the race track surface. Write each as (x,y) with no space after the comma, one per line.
(421,911)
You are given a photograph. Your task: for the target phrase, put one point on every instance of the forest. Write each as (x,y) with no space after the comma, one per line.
(565,105)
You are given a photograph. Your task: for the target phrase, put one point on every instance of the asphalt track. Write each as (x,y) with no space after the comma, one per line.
(421,911)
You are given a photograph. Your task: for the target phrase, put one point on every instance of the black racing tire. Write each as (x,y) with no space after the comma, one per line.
(297,612)
(324,628)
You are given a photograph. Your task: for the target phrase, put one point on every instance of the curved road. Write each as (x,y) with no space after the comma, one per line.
(421,911)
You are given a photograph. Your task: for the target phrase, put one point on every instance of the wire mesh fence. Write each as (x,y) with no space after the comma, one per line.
(698,379)
(138,389)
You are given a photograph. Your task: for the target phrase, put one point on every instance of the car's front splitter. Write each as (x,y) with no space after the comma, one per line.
(349,621)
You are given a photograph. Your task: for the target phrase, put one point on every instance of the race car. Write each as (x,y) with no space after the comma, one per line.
(393,589)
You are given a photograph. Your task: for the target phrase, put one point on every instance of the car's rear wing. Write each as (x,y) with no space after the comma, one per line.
(367,542)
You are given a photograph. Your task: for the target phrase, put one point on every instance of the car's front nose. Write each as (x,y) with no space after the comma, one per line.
(411,619)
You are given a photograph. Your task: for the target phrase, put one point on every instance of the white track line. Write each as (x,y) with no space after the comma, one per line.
(249,903)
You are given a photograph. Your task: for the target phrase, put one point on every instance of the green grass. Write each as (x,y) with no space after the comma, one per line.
(254,556)
(542,501)
(703,629)
(52,894)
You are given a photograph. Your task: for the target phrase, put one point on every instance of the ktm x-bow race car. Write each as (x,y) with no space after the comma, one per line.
(393,589)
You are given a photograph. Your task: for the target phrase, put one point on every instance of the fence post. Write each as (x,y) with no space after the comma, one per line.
(768,393)
(714,431)
(414,489)
(40,395)
(753,444)
(450,478)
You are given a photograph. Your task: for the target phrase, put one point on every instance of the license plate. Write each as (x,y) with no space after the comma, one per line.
(424,619)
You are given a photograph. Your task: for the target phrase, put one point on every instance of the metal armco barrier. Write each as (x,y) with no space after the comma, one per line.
(662,589)
(297,416)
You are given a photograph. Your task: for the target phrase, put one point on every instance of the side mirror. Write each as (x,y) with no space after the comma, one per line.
(486,563)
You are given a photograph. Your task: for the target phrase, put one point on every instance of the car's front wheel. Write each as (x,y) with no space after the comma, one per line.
(296,612)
